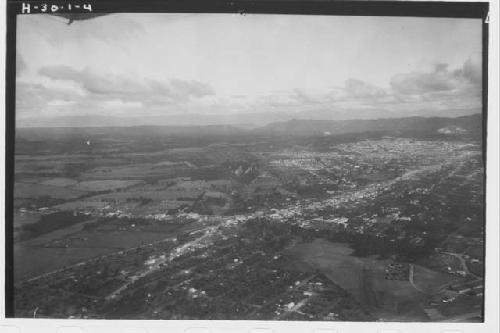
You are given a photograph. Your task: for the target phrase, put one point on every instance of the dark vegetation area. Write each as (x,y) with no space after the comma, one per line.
(220,173)
(50,222)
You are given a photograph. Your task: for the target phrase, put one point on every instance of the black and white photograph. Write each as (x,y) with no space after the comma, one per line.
(249,166)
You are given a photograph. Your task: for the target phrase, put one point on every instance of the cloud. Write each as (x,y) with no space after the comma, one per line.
(101,84)
(64,90)
(439,80)
(191,88)
(471,71)
(60,102)
(418,83)
(360,89)
(301,96)
(119,104)
(354,94)
(122,87)
(441,89)
(36,95)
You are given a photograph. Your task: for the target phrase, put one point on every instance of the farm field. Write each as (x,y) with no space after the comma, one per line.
(264,167)
(73,244)
(364,279)
(30,190)
(33,260)
(229,213)
(21,219)
(432,282)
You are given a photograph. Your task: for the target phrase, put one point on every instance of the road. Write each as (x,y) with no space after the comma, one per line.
(161,261)
(336,200)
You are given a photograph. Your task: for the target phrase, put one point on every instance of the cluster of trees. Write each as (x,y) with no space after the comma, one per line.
(406,248)
(50,222)
(41,201)
(141,200)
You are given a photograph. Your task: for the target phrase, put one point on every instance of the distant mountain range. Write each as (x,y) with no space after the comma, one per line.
(243,120)
(461,125)
(465,125)
(247,120)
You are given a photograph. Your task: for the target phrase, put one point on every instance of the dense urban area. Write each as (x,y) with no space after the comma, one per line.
(291,222)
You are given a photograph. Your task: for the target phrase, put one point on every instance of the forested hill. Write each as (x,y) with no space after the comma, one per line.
(466,125)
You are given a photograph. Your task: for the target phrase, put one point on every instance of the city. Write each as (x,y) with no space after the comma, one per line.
(329,227)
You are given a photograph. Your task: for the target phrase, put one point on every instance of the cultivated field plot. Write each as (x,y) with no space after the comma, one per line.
(432,282)
(105,184)
(60,182)
(74,244)
(139,199)
(154,180)
(364,278)
(23,218)
(34,261)
(30,190)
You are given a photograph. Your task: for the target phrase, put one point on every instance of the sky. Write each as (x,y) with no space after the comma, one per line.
(337,67)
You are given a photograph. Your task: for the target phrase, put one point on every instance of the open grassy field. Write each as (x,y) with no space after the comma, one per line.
(364,278)
(136,171)
(114,239)
(33,260)
(36,256)
(53,168)
(105,184)
(26,190)
(55,234)
(81,204)
(471,306)
(59,181)
(430,281)
(74,244)
(141,199)
(25,218)
(68,184)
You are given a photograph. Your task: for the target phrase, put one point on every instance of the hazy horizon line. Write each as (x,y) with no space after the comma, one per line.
(240,125)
